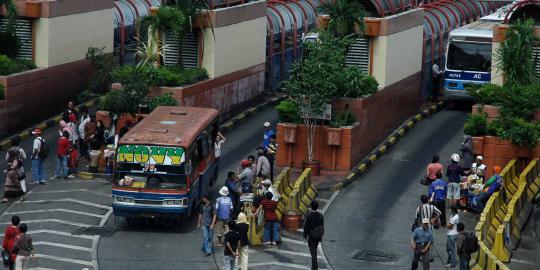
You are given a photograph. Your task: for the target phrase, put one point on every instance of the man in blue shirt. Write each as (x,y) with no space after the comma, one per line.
(267,134)
(421,240)
(437,193)
(234,191)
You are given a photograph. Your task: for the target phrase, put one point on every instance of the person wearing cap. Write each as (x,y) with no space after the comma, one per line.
(245,177)
(37,163)
(224,209)
(242,227)
(493,185)
(421,240)
(454,173)
(268,132)
(266,186)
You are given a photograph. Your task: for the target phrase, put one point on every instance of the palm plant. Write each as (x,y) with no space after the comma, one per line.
(346,17)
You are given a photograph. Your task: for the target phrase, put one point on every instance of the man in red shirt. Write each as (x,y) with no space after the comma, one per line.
(10,236)
(271,225)
(62,154)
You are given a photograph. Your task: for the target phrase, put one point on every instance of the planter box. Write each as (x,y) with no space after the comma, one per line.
(333,136)
(492,111)
(289,135)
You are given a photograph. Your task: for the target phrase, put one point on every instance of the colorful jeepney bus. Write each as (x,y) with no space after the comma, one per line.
(165,164)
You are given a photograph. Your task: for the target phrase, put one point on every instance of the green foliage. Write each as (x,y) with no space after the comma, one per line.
(519,101)
(2,93)
(485,93)
(515,54)
(346,118)
(103,66)
(162,76)
(288,112)
(476,124)
(190,9)
(86,95)
(164,100)
(166,18)
(519,131)
(11,66)
(9,43)
(114,102)
(356,83)
(346,17)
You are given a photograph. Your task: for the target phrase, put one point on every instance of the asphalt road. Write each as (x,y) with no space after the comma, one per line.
(375,213)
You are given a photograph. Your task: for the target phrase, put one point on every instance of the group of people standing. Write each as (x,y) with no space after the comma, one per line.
(17,248)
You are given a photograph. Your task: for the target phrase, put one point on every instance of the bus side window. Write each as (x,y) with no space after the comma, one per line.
(194,156)
(204,145)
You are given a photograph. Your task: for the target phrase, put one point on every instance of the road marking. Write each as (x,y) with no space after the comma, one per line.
(288,252)
(522,261)
(321,251)
(290,265)
(95,241)
(76,224)
(70,200)
(55,210)
(329,202)
(298,242)
(40,268)
(55,258)
(61,233)
(322,200)
(74,190)
(45,243)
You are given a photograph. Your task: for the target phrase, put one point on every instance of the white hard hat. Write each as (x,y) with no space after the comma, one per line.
(480,157)
(267,182)
(267,124)
(455,157)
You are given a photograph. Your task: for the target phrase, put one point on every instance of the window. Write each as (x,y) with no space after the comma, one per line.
(469,56)
(150,180)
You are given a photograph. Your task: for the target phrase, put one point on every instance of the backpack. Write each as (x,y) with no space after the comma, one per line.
(43,150)
(316,233)
(470,244)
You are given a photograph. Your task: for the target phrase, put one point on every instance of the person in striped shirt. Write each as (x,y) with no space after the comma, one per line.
(426,210)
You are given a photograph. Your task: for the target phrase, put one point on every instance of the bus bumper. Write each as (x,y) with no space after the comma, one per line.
(147,211)
(457,95)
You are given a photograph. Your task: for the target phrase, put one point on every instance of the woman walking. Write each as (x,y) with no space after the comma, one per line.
(12,188)
(242,227)
(25,249)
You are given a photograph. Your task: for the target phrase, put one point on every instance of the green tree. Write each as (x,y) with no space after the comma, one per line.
(346,17)
(9,42)
(164,100)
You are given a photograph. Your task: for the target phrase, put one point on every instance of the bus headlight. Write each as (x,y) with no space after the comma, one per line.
(121,199)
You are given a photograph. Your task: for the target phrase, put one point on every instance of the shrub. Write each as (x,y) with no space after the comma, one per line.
(355,83)
(162,76)
(164,100)
(86,95)
(10,66)
(476,125)
(519,101)
(520,132)
(103,66)
(2,93)
(343,119)
(288,112)
(114,102)
(486,93)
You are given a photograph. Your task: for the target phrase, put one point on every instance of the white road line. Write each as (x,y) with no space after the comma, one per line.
(320,247)
(61,233)
(522,261)
(97,205)
(288,252)
(55,221)
(330,201)
(290,265)
(55,210)
(45,243)
(321,200)
(60,259)
(298,242)
(74,190)
(40,268)
(96,238)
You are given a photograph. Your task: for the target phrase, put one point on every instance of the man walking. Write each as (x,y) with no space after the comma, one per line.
(426,210)
(224,209)
(451,237)
(38,155)
(464,255)
(313,232)
(421,240)
(437,194)
(207,220)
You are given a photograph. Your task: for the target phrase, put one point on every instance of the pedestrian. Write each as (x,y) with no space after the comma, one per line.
(313,232)
(72,125)
(463,254)
(234,191)
(220,139)
(39,147)
(271,151)
(65,127)
(89,131)
(232,242)
(421,240)
(263,166)
(493,185)
(12,186)
(224,209)
(245,176)
(253,164)
(98,137)
(109,154)
(467,153)
(271,226)
(451,237)
(437,74)
(268,132)
(206,222)
(479,168)
(426,210)
(21,158)
(62,152)
(242,227)
(433,168)
(73,161)
(454,173)
(266,186)
(25,248)
(83,145)
(437,194)
(70,109)
(10,237)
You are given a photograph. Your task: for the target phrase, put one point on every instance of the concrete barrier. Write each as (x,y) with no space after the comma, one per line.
(303,193)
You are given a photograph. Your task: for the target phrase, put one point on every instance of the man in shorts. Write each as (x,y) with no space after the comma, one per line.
(454,172)
(224,208)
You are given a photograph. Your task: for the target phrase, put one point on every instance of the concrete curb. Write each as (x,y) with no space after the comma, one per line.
(225,127)
(51,122)
(400,132)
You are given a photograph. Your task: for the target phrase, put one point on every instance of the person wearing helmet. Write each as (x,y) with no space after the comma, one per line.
(454,173)
(493,185)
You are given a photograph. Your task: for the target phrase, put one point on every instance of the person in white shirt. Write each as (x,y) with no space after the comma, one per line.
(37,163)
(83,145)
(266,186)
(220,139)
(437,74)
(452,233)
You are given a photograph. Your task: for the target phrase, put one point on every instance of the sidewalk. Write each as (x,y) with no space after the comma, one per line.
(526,256)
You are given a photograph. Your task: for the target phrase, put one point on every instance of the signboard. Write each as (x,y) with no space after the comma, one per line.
(144,154)
(326,114)
(468,76)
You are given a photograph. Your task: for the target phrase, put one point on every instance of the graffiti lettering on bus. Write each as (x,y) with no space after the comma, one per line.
(145,154)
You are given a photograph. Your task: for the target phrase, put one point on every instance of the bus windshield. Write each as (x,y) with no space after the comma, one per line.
(469,56)
(150,180)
